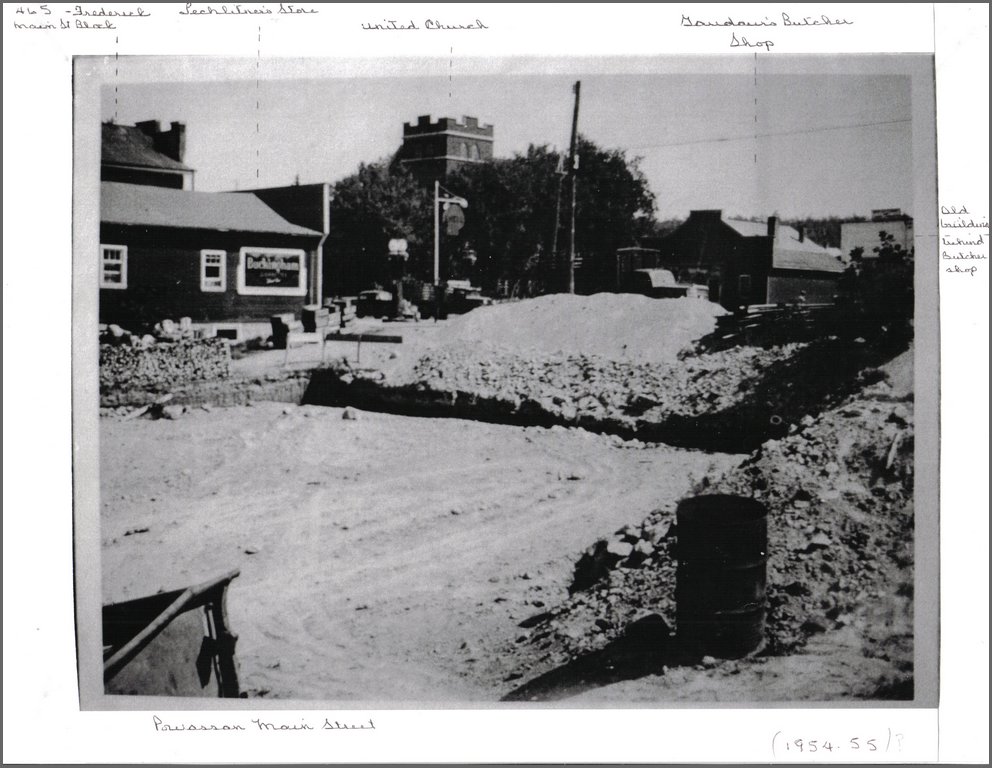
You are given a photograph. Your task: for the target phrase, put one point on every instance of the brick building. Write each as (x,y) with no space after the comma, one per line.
(432,150)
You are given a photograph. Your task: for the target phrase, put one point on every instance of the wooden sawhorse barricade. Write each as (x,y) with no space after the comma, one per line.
(298,338)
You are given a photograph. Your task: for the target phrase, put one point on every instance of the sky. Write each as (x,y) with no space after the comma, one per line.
(751,144)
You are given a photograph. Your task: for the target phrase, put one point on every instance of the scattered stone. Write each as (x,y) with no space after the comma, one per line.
(172,412)
(533,621)
(813,627)
(349,414)
(619,548)
(820,540)
(644,547)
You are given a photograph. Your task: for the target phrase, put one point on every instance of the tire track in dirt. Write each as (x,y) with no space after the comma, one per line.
(389,554)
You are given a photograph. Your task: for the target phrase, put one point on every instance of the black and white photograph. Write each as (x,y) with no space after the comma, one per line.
(594,389)
(495,383)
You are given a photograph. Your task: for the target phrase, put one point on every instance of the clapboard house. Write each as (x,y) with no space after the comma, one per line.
(145,153)
(225,260)
(750,262)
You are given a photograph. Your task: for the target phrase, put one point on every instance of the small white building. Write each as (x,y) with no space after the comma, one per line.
(865,234)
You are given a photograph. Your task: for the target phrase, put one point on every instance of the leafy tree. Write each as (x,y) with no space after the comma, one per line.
(880,286)
(378,203)
(512,210)
(510,240)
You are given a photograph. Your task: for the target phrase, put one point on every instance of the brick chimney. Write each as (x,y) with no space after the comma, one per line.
(174,142)
(802,232)
(171,143)
(772,225)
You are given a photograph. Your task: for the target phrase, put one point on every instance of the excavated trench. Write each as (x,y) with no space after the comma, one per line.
(740,430)
(785,393)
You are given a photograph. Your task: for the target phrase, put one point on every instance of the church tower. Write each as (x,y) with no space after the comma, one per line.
(433,150)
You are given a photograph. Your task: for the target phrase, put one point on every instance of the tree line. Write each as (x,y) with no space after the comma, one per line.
(515,240)
(517,227)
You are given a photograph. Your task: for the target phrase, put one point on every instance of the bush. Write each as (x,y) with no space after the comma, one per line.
(880,288)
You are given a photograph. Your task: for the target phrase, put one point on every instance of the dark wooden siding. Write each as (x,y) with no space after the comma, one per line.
(163,277)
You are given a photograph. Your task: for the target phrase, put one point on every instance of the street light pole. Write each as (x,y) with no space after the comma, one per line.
(455,200)
(437,235)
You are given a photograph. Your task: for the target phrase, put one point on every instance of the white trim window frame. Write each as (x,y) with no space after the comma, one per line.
(213,271)
(300,289)
(113,266)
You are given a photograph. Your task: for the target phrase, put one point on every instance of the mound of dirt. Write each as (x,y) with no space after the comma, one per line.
(612,326)
(839,493)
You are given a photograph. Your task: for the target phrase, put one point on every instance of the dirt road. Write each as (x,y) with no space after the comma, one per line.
(383,559)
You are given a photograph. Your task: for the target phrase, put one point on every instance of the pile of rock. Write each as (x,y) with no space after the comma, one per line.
(840,525)
(575,387)
(161,367)
(839,493)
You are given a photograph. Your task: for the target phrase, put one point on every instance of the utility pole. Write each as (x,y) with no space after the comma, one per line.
(573,167)
(555,267)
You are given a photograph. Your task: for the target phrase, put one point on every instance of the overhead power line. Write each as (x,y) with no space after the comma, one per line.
(770,134)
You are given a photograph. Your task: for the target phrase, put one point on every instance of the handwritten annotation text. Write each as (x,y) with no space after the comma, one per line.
(390,25)
(963,240)
(257,724)
(782,20)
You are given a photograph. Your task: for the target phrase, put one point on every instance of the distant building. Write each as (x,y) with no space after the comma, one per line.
(748,262)
(866,234)
(433,150)
(226,260)
(145,153)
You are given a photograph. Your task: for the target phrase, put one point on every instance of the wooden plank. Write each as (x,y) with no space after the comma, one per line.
(144,409)
(381,338)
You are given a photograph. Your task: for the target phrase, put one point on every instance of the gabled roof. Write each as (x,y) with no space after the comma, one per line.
(788,251)
(161,207)
(128,145)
